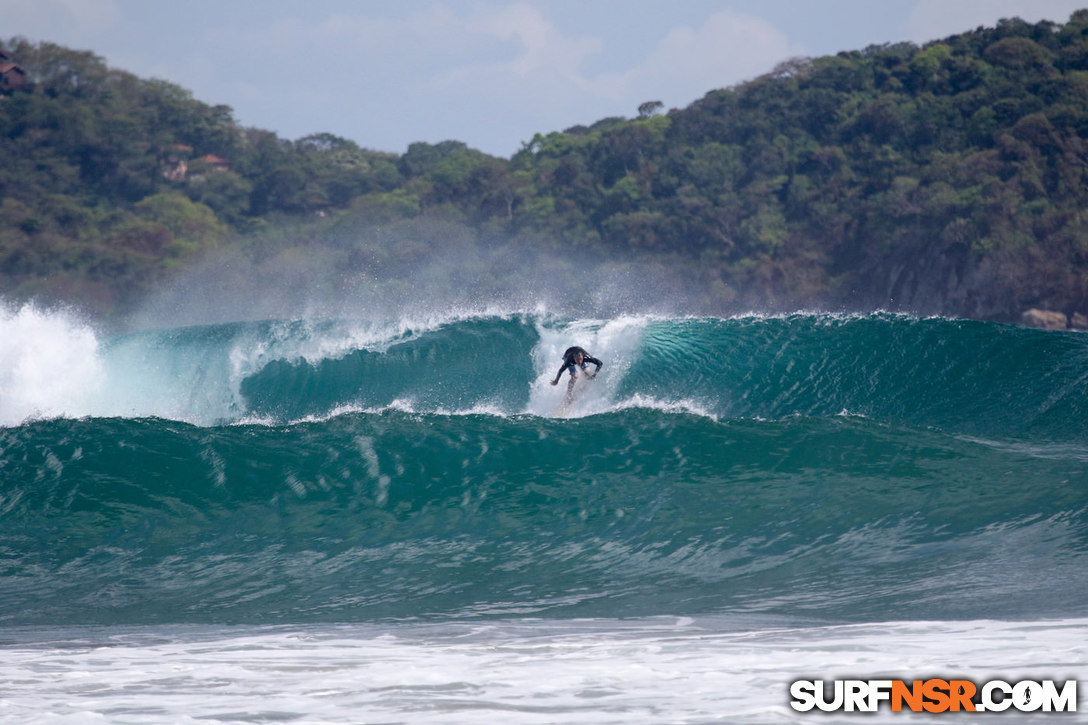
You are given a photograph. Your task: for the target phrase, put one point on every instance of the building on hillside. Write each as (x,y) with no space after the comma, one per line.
(215,163)
(175,161)
(12,75)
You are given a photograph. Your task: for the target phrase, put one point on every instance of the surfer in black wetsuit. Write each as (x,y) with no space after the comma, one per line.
(574,358)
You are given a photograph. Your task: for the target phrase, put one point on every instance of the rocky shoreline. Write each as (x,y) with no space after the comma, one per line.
(1054,320)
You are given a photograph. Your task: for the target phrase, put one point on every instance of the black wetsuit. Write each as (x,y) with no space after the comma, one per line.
(568,362)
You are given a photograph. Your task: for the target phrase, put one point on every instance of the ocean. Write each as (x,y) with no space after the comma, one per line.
(359,521)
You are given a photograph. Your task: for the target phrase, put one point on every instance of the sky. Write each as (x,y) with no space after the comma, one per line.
(489,73)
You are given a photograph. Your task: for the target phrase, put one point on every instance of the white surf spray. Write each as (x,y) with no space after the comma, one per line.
(50,365)
(617,343)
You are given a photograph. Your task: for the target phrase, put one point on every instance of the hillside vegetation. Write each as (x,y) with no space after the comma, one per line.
(948,178)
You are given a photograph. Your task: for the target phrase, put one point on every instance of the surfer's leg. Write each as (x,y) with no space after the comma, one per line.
(570,387)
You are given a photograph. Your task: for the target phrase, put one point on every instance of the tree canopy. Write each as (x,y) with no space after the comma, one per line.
(943,178)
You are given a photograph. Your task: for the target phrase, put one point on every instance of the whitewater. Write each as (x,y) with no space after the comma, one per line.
(398,520)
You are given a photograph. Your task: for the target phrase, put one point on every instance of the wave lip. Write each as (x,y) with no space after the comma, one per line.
(964,377)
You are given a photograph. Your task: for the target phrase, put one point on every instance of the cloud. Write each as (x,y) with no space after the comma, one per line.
(933,19)
(332,72)
(542,78)
(541,47)
(58,20)
(422,36)
(726,49)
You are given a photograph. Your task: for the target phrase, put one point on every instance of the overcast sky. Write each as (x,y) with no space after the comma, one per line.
(489,73)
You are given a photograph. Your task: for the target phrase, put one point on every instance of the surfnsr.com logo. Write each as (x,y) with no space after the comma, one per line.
(933,695)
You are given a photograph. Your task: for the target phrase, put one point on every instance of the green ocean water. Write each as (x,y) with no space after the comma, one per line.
(816,467)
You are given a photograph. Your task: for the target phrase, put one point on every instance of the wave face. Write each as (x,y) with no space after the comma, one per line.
(840,468)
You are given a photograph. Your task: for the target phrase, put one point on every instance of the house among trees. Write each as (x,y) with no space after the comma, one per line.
(175,161)
(12,75)
(215,163)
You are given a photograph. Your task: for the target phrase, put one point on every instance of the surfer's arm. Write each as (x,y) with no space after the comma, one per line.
(596,362)
(560,373)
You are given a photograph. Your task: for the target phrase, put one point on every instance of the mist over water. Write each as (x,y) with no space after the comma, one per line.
(414,270)
(334,296)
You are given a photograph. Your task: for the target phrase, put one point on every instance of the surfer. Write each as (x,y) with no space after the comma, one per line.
(575,358)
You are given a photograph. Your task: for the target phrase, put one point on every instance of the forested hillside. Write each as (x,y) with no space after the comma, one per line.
(948,178)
